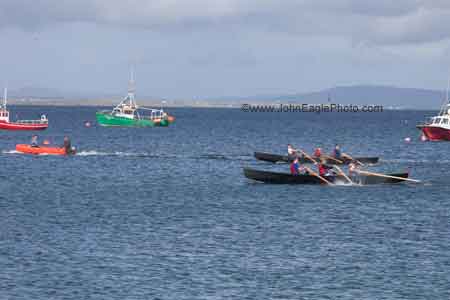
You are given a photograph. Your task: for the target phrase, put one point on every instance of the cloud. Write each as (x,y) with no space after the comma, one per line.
(372,22)
(424,25)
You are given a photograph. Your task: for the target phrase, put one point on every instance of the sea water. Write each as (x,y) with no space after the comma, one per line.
(166,213)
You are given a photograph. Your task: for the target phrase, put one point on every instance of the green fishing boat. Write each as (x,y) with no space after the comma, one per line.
(128,114)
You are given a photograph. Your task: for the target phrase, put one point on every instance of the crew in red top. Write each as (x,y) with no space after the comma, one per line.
(324,170)
(317,152)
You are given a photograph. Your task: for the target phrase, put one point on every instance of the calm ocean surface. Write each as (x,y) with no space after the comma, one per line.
(166,213)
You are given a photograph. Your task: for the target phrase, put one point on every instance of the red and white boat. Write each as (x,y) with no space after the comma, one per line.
(19,124)
(437,128)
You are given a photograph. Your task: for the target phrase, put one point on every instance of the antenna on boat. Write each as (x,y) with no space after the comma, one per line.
(448,87)
(446,100)
(5,96)
(131,88)
(131,83)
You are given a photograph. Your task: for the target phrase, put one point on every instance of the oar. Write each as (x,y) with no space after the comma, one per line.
(311,171)
(332,158)
(343,174)
(318,176)
(308,157)
(387,176)
(351,158)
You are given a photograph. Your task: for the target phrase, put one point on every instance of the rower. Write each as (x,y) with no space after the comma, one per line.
(337,153)
(317,152)
(324,169)
(34,141)
(295,167)
(67,145)
(353,171)
(292,152)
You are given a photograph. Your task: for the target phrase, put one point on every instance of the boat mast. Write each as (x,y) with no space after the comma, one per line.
(446,107)
(131,89)
(448,86)
(5,95)
(446,101)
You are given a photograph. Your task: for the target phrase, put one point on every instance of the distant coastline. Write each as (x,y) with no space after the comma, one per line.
(114,101)
(391,98)
(236,104)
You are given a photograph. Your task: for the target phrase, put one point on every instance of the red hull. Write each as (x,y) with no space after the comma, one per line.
(434,133)
(22,126)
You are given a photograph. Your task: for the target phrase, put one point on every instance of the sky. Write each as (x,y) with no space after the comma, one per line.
(223,48)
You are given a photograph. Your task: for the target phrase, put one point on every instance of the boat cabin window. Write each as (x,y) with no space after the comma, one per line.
(437,120)
(444,121)
(156,114)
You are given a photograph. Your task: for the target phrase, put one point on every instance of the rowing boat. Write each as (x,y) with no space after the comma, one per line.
(285,178)
(275,158)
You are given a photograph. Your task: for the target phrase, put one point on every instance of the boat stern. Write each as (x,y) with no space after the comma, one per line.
(435,133)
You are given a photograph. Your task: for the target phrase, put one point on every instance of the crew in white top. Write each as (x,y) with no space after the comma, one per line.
(291,150)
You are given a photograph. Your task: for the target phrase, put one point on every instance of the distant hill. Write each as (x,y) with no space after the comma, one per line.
(35,92)
(366,94)
(388,96)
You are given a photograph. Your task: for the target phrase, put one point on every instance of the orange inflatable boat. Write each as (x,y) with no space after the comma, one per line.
(24,148)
